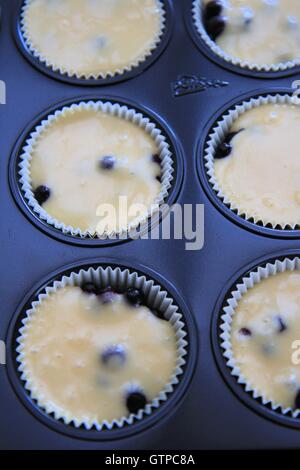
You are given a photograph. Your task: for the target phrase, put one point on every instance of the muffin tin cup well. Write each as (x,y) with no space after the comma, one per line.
(131,71)
(171,164)
(122,112)
(159,295)
(214,133)
(195,27)
(244,280)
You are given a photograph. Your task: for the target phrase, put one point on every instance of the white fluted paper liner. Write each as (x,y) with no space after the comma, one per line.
(120,111)
(218,135)
(157,299)
(102,75)
(247,283)
(197,18)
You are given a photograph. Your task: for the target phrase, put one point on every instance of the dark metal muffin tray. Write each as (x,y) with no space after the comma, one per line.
(184,88)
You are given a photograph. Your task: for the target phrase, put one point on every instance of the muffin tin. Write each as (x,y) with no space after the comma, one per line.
(184,88)
(258,226)
(187,361)
(257,403)
(19,195)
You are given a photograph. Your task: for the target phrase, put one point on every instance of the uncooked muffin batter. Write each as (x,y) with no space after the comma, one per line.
(89,354)
(265,325)
(92,37)
(261,172)
(257,31)
(89,158)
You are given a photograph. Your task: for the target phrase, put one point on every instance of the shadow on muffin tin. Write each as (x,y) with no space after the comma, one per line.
(21,201)
(169,406)
(205,49)
(238,389)
(118,77)
(258,228)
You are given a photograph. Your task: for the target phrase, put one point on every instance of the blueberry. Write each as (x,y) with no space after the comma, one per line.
(232,134)
(134,297)
(114,356)
(101,42)
(297,400)
(248,15)
(159,315)
(245,331)
(156,159)
(268,349)
(89,288)
(223,150)
(107,295)
(281,324)
(212,8)
(135,401)
(41,194)
(108,162)
(215,26)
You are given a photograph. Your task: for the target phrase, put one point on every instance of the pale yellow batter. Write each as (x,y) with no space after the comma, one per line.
(262,173)
(271,313)
(67,159)
(92,37)
(63,347)
(261,31)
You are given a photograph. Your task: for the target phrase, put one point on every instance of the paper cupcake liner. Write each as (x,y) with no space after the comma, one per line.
(120,279)
(217,136)
(278,67)
(122,112)
(248,282)
(102,75)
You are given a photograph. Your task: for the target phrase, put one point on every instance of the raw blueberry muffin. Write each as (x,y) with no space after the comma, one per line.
(90,170)
(264,327)
(257,31)
(93,355)
(257,167)
(92,38)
